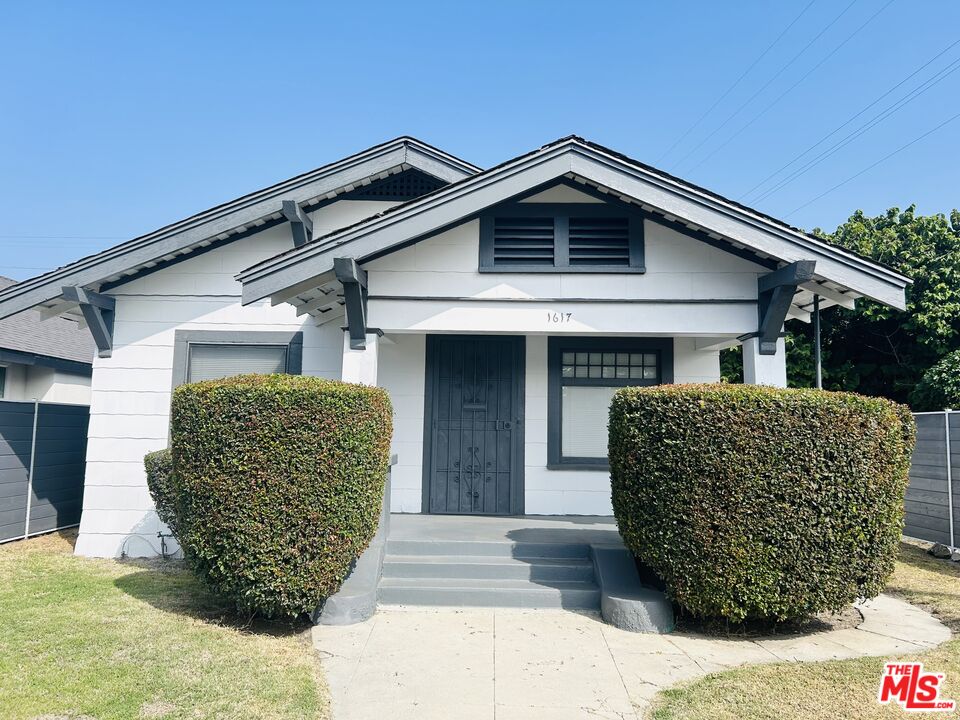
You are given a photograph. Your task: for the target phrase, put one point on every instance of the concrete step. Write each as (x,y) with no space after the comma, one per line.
(464,592)
(460,548)
(487,566)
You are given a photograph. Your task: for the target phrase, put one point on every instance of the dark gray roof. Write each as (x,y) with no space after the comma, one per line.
(56,337)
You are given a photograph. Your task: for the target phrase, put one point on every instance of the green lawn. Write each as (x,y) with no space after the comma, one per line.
(843,689)
(101,639)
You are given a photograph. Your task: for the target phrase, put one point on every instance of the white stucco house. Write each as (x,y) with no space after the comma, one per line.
(500,308)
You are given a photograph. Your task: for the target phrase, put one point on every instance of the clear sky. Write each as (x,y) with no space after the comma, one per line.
(120,117)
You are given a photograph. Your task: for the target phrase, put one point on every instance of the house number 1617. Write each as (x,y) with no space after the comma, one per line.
(559,317)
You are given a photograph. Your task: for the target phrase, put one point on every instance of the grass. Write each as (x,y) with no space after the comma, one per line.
(102,639)
(842,689)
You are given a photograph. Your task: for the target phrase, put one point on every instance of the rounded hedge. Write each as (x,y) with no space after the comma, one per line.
(276,484)
(755,502)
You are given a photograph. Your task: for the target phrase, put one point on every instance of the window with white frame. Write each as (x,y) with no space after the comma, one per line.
(209,355)
(584,373)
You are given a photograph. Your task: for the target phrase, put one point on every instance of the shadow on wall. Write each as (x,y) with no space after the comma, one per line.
(149,538)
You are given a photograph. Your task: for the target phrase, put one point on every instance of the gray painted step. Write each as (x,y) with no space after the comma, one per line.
(464,592)
(459,548)
(487,566)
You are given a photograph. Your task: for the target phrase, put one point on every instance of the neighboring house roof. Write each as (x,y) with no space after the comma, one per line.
(223,222)
(55,338)
(838,271)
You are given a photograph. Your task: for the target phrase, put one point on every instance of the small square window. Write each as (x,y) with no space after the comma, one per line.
(609,371)
(583,359)
(623,372)
(650,359)
(636,358)
(596,358)
(649,373)
(595,371)
(568,370)
(623,358)
(581,371)
(609,358)
(569,358)
(636,372)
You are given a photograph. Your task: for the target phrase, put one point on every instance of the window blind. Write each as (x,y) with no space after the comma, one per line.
(209,362)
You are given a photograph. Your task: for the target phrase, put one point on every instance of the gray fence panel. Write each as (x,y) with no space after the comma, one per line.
(59,458)
(927,504)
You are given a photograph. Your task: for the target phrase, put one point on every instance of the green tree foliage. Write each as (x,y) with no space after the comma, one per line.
(940,386)
(876,350)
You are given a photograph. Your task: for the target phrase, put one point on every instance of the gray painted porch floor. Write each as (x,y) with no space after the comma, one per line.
(583,529)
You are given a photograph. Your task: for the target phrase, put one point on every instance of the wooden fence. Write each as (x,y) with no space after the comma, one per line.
(43,450)
(932,502)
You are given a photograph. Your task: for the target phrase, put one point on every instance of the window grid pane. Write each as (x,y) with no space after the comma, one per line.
(613,365)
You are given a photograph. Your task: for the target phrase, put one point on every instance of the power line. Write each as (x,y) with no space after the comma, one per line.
(767,84)
(735,84)
(873,165)
(848,121)
(869,125)
(792,87)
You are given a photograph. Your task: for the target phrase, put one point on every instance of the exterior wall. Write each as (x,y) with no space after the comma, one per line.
(547,491)
(130,399)
(35,382)
(690,289)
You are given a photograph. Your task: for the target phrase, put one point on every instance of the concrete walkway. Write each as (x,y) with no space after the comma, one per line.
(505,664)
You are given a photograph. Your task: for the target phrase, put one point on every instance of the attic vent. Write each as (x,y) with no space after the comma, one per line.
(599,241)
(407,185)
(523,241)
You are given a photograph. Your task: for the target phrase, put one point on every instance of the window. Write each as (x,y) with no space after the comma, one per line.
(3,380)
(576,237)
(210,354)
(583,375)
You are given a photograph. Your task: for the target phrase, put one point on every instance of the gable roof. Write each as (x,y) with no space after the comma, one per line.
(659,193)
(220,223)
(56,338)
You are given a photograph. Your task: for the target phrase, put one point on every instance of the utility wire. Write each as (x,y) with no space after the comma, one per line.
(873,165)
(767,84)
(848,121)
(735,84)
(870,124)
(792,87)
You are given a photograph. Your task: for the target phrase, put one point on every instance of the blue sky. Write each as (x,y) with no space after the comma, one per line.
(118,118)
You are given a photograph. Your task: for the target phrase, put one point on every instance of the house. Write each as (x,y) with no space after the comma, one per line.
(50,361)
(500,308)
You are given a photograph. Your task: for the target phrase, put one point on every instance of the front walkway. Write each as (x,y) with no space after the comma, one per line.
(559,665)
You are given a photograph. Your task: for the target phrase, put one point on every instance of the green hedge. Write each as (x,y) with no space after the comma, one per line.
(755,502)
(277,484)
(940,386)
(159,466)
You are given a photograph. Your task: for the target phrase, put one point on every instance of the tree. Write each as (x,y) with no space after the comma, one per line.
(876,350)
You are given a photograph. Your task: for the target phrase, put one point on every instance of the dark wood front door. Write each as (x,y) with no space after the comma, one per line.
(473,453)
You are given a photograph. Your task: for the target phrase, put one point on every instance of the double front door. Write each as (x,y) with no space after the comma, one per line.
(473,454)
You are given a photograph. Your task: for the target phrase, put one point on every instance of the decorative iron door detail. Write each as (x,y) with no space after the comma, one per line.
(474,420)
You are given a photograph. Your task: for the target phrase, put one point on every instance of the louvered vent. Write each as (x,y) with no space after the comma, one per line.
(523,241)
(599,241)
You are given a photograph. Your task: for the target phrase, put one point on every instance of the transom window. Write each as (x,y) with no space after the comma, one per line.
(583,374)
(557,237)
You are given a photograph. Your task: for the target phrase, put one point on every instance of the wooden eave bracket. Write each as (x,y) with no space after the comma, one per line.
(300,223)
(354,281)
(98,312)
(775,293)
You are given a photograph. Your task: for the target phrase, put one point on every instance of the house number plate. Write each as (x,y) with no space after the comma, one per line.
(558,318)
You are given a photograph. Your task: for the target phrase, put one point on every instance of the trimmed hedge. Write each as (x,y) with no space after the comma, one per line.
(159,466)
(277,484)
(755,502)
